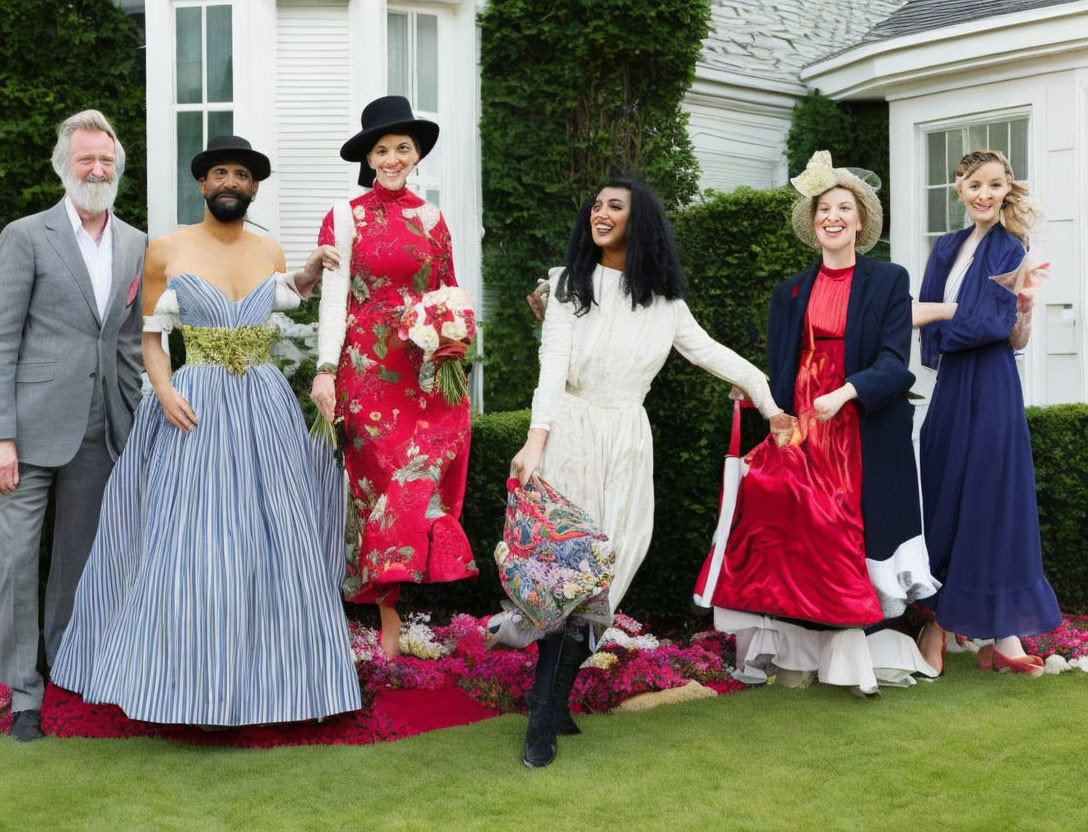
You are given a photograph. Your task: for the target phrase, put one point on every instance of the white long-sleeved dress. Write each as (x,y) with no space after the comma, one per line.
(595,371)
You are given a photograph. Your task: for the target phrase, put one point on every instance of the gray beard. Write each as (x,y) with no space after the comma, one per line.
(92,197)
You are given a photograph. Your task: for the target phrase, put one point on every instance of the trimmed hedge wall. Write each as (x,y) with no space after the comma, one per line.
(59,58)
(1059,445)
(687,493)
(570,94)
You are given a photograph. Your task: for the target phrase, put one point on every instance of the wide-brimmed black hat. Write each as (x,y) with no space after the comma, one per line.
(230,149)
(382,116)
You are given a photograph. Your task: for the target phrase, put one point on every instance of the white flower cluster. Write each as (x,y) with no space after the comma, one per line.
(417,638)
(618,637)
(428,215)
(602,660)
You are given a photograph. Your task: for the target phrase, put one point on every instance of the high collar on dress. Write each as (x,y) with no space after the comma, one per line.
(836,274)
(386,195)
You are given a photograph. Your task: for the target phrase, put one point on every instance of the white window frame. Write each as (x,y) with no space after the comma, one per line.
(426,180)
(203,106)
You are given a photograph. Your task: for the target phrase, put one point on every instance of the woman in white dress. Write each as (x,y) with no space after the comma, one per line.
(616,311)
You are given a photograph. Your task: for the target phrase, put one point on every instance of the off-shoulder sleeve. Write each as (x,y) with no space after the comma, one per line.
(166,314)
(287,295)
(693,342)
(332,314)
(556,342)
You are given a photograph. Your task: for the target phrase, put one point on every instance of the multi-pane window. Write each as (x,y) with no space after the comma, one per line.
(413,72)
(203,91)
(945,148)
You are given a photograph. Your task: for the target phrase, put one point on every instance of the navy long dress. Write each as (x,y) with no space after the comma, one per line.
(978,480)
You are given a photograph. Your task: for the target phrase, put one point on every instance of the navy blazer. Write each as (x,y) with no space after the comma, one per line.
(876,353)
(877,338)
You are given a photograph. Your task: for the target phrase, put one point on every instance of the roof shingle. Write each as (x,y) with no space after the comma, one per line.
(773,39)
(924,15)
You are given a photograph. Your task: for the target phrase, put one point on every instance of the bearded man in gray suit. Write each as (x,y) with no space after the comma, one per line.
(70,362)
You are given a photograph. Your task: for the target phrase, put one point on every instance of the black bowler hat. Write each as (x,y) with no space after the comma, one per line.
(382,116)
(230,149)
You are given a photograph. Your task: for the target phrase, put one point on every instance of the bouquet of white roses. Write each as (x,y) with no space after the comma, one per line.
(441,324)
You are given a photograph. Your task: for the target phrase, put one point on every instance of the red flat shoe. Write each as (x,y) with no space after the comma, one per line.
(1028,665)
(986,657)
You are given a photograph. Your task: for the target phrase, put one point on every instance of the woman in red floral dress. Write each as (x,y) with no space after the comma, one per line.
(407,449)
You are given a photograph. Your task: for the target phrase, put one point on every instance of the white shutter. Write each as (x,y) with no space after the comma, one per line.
(314,117)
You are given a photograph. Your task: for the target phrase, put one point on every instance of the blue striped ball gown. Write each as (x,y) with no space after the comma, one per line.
(212,593)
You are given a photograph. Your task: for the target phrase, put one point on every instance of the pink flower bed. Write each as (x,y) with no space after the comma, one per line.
(499,678)
(1069,640)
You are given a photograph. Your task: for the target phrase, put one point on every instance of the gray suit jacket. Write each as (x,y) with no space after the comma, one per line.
(53,347)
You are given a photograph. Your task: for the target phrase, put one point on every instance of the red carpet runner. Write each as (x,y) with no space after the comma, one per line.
(395,714)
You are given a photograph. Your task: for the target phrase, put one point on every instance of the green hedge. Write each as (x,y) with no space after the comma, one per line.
(687,467)
(1059,445)
(58,57)
(570,93)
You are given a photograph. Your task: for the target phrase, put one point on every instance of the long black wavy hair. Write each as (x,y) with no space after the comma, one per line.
(651,267)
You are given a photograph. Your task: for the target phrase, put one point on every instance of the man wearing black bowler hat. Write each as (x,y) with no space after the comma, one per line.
(228,173)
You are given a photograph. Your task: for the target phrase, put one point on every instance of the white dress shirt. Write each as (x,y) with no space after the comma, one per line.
(98,256)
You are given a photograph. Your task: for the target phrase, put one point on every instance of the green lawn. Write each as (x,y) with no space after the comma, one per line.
(972,751)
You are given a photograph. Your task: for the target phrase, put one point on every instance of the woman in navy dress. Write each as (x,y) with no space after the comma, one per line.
(978,481)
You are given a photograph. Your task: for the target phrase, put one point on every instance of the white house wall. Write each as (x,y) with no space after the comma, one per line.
(1053,367)
(738,133)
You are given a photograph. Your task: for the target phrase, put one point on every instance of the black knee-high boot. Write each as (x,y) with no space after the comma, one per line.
(574,651)
(540,744)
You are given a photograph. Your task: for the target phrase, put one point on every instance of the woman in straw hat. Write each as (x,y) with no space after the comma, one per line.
(827,529)
(978,481)
(407,446)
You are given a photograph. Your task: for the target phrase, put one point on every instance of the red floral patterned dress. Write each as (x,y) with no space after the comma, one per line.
(407,451)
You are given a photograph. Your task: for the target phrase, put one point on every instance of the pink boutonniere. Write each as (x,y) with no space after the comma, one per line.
(133,288)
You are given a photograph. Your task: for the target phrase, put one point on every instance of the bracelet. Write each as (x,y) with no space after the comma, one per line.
(326,369)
